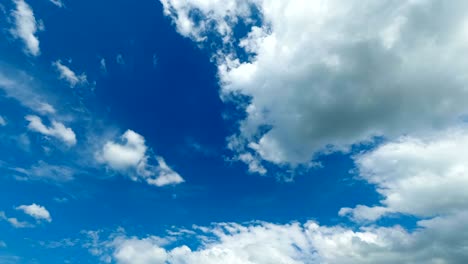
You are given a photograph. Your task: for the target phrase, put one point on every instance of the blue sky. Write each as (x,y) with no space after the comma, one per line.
(237,131)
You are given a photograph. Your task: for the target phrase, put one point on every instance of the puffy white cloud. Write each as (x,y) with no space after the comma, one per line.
(36,211)
(438,240)
(324,75)
(129,155)
(57,129)
(2,121)
(424,177)
(68,75)
(26,27)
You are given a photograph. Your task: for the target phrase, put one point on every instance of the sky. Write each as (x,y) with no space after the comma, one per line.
(233,131)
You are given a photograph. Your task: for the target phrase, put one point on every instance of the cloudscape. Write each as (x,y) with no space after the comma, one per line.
(234,131)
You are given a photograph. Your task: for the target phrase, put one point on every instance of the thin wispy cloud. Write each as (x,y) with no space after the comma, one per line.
(26,27)
(68,75)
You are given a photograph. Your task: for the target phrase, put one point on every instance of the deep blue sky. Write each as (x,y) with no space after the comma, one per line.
(174,104)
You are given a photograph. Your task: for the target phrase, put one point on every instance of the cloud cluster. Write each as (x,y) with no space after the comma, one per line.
(130,155)
(57,130)
(325,75)
(26,27)
(438,240)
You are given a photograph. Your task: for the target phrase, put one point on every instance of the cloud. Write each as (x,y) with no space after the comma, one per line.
(57,130)
(2,244)
(36,211)
(167,176)
(130,156)
(119,59)
(437,240)
(2,121)
(14,221)
(103,65)
(18,85)
(317,82)
(58,3)
(45,171)
(68,75)
(26,27)
(419,176)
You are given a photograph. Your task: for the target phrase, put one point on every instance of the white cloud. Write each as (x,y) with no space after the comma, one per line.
(68,75)
(58,3)
(325,75)
(57,130)
(166,175)
(130,156)
(26,27)
(18,85)
(438,240)
(36,211)
(424,177)
(14,221)
(3,122)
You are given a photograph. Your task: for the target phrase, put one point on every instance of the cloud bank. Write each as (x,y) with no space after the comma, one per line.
(323,76)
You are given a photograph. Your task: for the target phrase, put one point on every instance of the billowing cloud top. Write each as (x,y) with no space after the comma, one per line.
(325,75)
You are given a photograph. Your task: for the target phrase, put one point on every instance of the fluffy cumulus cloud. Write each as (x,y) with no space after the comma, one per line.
(68,75)
(438,240)
(57,130)
(37,212)
(424,177)
(130,155)
(26,27)
(325,75)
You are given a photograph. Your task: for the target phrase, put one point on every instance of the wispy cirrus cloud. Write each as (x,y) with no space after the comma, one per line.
(68,75)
